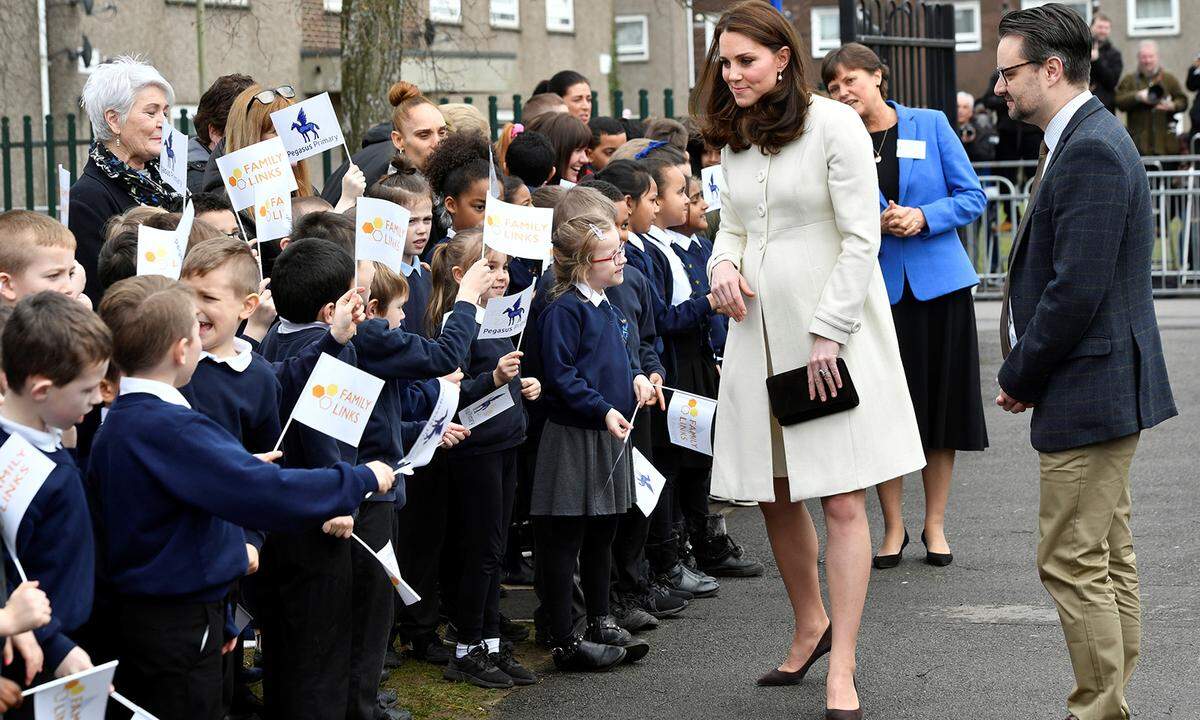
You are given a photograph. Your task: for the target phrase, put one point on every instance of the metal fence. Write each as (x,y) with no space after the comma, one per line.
(1175,194)
(31,150)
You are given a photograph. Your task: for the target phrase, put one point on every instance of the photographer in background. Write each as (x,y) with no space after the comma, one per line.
(1150,98)
(1106,63)
(975,130)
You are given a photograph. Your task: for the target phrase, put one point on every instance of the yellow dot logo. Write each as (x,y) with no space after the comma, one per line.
(262,211)
(74,687)
(491,219)
(331,390)
(318,391)
(237,175)
(368,227)
(150,256)
(691,409)
(378,223)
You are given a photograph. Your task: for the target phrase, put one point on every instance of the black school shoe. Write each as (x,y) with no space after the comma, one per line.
(509,665)
(681,578)
(477,668)
(429,649)
(626,611)
(603,630)
(579,655)
(660,603)
(719,555)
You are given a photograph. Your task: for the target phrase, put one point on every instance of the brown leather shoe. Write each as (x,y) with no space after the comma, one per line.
(778,678)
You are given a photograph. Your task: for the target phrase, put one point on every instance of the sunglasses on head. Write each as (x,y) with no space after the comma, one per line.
(266,97)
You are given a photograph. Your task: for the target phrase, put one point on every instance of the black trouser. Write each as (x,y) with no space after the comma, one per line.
(371,608)
(482,488)
(515,546)
(170,657)
(420,533)
(662,549)
(632,529)
(560,542)
(306,582)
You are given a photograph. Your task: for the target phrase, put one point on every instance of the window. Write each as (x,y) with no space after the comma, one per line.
(560,15)
(1153,17)
(333,6)
(967,34)
(826,30)
(633,38)
(217,3)
(506,13)
(1083,7)
(445,11)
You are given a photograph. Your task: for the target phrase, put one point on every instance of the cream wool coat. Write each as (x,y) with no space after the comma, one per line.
(803,228)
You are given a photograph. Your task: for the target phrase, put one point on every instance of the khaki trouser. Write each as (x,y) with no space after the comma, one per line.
(1086,563)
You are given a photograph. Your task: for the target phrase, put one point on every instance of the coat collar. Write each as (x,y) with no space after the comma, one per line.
(1086,110)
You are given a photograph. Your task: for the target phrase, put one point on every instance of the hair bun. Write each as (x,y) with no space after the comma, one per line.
(402,90)
(403,165)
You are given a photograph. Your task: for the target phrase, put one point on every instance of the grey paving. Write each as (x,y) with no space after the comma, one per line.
(979,639)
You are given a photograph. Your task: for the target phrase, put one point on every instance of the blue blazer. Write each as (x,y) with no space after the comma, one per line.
(945,187)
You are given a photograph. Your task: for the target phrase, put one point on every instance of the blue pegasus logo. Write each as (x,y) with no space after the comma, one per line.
(304,127)
(436,428)
(515,312)
(170,145)
(712,186)
(644,481)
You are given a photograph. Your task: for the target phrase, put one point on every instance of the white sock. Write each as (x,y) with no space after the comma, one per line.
(460,651)
(493,645)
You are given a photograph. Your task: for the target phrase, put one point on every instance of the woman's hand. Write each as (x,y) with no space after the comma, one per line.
(901,221)
(729,287)
(823,376)
(616,423)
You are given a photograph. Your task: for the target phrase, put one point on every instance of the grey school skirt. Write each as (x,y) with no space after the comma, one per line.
(572,473)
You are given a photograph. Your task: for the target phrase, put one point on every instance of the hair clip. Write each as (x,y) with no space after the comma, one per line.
(596,231)
(517,129)
(654,145)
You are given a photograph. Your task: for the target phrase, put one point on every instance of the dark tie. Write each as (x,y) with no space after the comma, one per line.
(1005,344)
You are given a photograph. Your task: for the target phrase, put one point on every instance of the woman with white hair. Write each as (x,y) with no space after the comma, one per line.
(128,103)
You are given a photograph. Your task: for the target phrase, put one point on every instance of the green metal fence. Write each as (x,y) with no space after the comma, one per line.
(30,151)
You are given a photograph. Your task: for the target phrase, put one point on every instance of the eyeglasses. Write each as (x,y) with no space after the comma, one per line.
(266,97)
(1004,78)
(618,253)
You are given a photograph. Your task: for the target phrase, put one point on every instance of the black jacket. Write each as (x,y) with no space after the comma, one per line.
(374,160)
(1106,73)
(95,197)
(1193,84)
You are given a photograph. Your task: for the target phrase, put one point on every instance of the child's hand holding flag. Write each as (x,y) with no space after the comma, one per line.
(27,608)
(454,434)
(348,313)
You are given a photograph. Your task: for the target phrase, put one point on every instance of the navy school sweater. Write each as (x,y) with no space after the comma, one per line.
(57,549)
(420,289)
(171,491)
(586,366)
(506,430)
(397,356)
(695,262)
(674,322)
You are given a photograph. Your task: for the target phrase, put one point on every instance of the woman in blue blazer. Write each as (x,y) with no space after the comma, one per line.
(927,190)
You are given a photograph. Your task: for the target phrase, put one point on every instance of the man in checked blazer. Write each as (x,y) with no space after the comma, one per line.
(1081,344)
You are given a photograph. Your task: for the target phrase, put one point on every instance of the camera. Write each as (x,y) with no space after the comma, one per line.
(1155,93)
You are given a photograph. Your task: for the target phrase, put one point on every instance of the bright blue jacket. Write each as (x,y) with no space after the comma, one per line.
(946,189)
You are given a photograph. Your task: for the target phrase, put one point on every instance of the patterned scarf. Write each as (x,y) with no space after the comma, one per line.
(145,187)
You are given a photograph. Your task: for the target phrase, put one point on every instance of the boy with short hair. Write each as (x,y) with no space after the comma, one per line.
(36,253)
(58,352)
(171,491)
(215,209)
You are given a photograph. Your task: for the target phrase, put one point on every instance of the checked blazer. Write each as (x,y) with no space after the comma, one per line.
(1088,355)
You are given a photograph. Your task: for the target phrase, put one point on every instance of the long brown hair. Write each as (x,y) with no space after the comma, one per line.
(779,116)
(567,134)
(250,119)
(461,251)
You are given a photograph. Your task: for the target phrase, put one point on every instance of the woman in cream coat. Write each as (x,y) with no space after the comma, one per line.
(795,265)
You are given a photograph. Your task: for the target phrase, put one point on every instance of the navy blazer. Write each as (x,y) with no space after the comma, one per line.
(946,189)
(1088,353)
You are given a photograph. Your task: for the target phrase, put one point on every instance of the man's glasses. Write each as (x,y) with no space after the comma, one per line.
(1005,79)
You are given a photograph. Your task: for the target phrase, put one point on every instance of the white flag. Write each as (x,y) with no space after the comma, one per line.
(82,696)
(241,618)
(712,182)
(260,163)
(64,196)
(337,399)
(159,252)
(690,421)
(308,128)
(381,232)
(506,316)
(23,470)
(486,408)
(565,184)
(495,188)
(422,450)
(183,231)
(272,211)
(172,159)
(387,558)
(517,230)
(648,483)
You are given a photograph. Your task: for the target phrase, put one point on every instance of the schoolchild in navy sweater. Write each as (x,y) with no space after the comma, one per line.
(583,481)
(58,352)
(171,491)
(694,248)
(483,475)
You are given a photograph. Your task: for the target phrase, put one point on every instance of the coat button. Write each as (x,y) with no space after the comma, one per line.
(761,176)
(762,210)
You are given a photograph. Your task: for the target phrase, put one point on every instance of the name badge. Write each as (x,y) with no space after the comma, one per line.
(912,149)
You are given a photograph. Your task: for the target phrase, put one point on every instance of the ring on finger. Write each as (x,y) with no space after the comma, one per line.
(823,372)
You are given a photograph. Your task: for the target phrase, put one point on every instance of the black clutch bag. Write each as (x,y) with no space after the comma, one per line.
(788,394)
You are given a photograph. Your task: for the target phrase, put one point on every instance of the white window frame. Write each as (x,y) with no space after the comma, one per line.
(973,41)
(1162,26)
(560,10)
(218,3)
(819,49)
(451,14)
(333,6)
(1087,4)
(638,53)
(513,8)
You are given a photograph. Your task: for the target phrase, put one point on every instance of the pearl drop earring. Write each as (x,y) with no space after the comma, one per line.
(779,77)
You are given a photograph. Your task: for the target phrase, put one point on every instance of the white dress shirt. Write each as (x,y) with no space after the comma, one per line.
(160,390)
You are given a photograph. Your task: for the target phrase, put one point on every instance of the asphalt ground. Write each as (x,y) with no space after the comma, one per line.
(978,639)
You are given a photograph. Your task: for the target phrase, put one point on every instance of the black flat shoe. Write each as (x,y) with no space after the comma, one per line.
(936,559)
(886,562)
(778,678)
